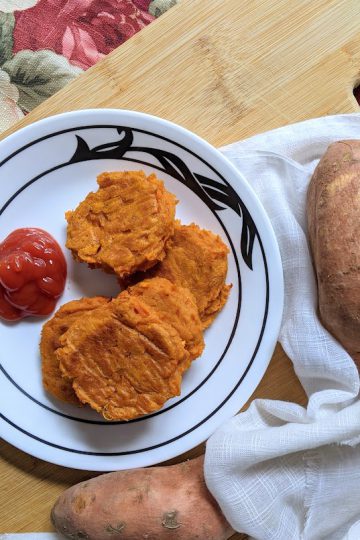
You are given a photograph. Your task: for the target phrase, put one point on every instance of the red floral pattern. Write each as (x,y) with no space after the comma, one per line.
(45,44)
(83,31)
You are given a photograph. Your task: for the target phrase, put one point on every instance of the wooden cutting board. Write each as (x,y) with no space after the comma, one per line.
(225,69)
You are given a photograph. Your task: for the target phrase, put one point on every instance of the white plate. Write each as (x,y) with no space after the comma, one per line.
(48,168)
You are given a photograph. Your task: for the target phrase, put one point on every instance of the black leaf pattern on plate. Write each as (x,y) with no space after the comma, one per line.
(113,150)
(215,194)
(228,196)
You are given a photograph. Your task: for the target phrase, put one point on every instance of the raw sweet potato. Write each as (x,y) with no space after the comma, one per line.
(333,210)
(159,503)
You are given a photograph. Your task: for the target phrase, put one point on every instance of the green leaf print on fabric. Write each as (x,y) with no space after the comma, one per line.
(158,7)
(38,75)
(7,22)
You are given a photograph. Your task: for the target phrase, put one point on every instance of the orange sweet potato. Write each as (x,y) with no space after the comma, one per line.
(160,503)
(333,210)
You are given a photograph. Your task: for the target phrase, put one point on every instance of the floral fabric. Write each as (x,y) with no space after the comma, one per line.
(44,44)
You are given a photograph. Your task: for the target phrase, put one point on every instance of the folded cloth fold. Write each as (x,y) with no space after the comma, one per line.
(280,471)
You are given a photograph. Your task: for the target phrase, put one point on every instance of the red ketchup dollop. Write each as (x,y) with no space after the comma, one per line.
(32,274)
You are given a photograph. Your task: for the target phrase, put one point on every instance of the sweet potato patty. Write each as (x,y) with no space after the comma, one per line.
(124,226)
(53,380)
(175,305)
(197,259)
(123,360)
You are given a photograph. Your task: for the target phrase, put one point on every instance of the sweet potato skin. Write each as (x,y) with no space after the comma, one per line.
(154,504)
(333,212)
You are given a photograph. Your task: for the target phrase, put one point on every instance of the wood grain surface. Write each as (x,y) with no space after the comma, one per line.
(225,70)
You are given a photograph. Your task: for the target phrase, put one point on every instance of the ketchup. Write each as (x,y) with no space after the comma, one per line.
(32,274)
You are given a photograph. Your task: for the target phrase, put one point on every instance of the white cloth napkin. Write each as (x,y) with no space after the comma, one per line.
(280,471)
